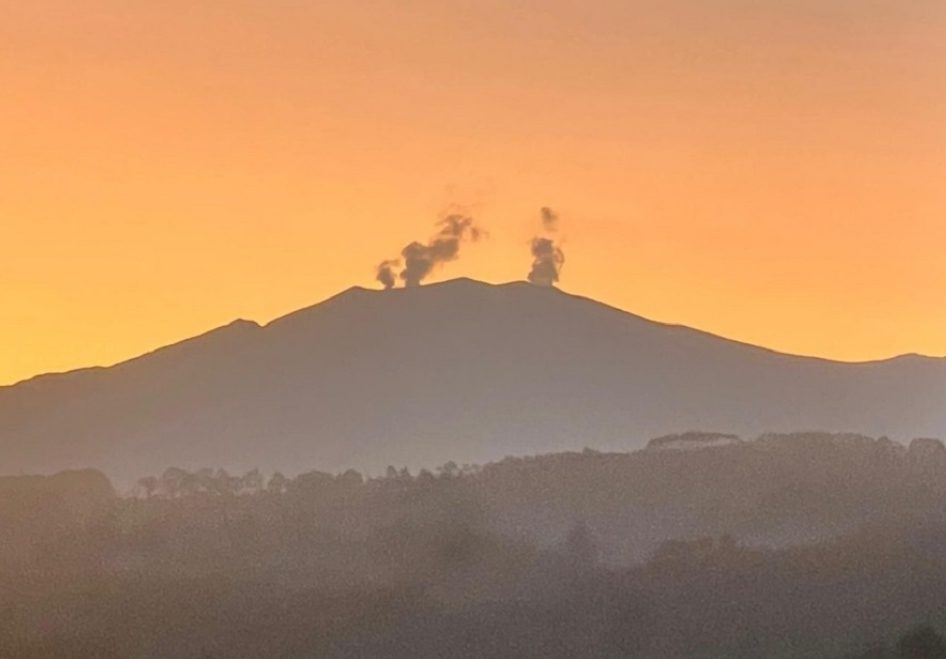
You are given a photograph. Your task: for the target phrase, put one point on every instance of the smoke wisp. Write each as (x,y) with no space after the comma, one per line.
(547,257)
(386,273)
(420,259)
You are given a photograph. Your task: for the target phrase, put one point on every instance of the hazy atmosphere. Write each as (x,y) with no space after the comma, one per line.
(362,329)
(768,171)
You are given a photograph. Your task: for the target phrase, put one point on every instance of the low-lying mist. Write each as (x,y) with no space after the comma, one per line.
(701,545)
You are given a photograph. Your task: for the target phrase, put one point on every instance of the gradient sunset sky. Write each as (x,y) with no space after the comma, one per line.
(772,171)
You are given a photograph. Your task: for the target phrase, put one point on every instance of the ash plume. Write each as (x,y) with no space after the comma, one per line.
(547,257)
(420,259)
(547,262)
(386,273)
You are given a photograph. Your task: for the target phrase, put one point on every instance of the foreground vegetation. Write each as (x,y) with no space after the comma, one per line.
(790,546)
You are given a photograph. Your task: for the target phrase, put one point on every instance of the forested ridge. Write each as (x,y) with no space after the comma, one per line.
(805,545)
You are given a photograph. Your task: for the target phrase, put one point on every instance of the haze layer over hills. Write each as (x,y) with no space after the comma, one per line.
(461,371)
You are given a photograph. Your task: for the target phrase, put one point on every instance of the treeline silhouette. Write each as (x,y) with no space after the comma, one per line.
(804,545)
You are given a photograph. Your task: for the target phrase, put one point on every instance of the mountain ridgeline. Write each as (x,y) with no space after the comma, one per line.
(460,370)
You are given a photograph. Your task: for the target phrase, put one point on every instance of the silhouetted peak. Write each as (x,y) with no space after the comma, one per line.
(427,301)
(458,283)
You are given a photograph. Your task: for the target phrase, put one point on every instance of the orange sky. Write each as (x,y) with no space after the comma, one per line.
(769,171)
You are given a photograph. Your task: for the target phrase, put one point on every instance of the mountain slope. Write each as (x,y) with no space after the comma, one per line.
(460,370)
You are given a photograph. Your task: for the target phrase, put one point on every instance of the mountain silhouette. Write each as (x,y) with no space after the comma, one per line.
(461,370)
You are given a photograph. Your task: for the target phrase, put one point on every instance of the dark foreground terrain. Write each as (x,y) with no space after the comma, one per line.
(787,546)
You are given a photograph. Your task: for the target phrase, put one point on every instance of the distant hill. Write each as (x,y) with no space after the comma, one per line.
(460,370)
(802,545)
(778,490)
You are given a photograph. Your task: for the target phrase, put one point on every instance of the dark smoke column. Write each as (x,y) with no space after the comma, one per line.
(547,257)
(385,273)
(421,259)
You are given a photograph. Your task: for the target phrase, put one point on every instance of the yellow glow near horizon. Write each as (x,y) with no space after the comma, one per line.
(771,172)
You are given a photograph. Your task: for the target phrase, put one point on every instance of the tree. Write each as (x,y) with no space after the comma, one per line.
(205,480)
(149,485)
(252,481)
(311,481)
(173,480)
(277,483)
(225,484)
(350,479)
